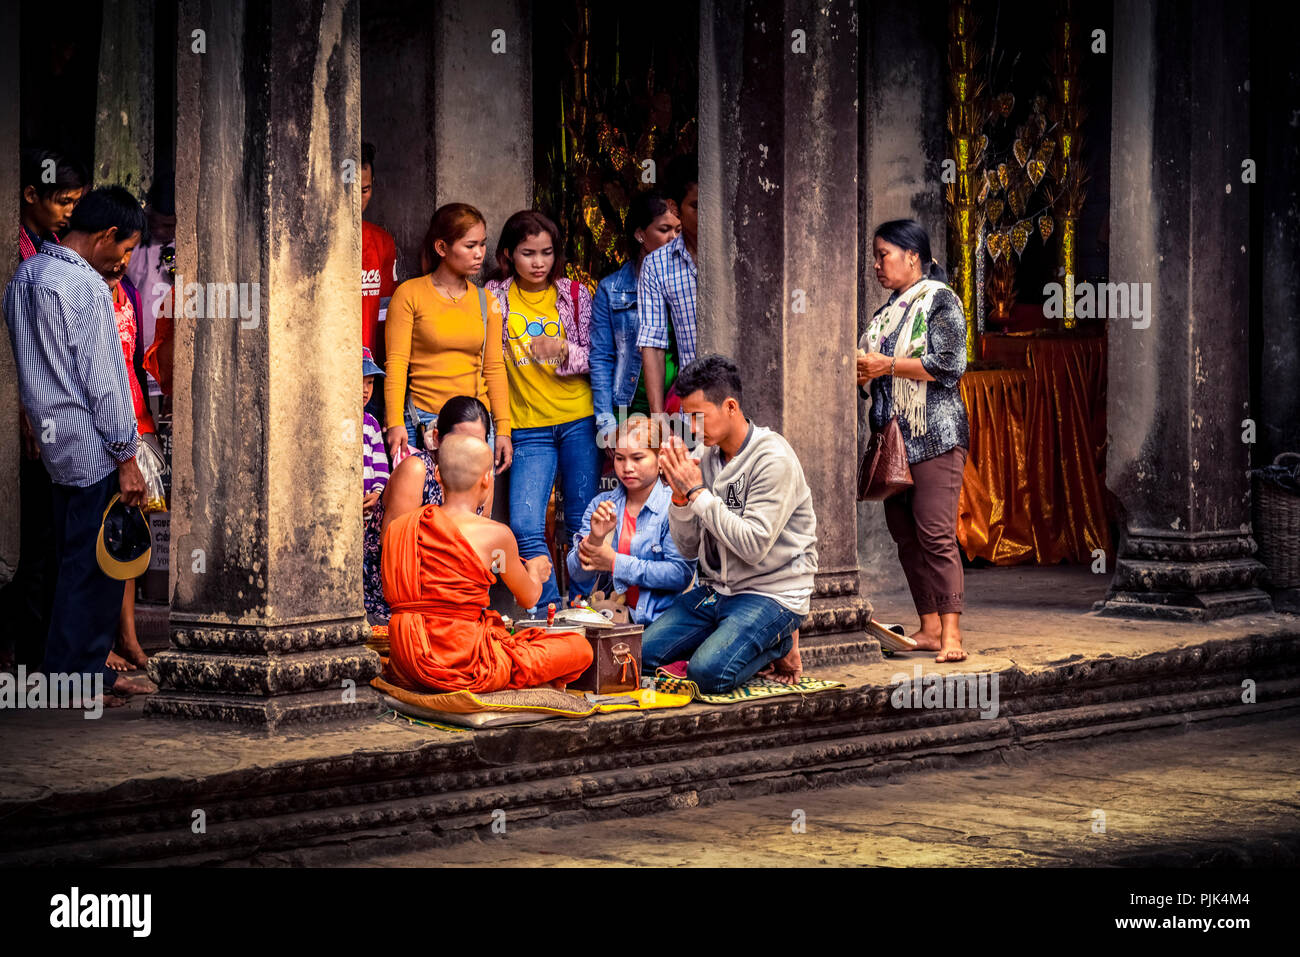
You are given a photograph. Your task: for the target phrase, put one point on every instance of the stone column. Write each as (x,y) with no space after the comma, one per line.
(779,259)
(483,107)
(1177,387)
(903,110)
(124,115)
(398,117)
(1277,202)
(267,621)
(9,503)
(483,118)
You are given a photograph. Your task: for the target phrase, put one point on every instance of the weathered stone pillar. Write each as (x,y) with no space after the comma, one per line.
(779,259)
(903,100)
(124,115)
(10,507)
(483,107)
(1177,387)
(483,121)
(1276,195)
(267,621)
(397,42)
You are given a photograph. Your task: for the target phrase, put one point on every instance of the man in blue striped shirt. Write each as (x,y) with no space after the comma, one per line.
(72,379)
(665,288)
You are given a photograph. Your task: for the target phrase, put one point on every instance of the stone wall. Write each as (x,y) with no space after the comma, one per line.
(483,108)
(397,110)
(124,113)
(1275,146)
(903,143)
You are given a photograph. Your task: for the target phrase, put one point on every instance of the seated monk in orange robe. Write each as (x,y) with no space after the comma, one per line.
(437,568)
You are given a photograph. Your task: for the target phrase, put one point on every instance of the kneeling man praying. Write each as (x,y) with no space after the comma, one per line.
(745,512)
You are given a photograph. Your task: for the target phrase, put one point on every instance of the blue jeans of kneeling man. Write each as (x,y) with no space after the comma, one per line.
(727,638)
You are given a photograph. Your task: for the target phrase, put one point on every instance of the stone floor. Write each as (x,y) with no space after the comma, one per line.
(1225,795)
(1033,618)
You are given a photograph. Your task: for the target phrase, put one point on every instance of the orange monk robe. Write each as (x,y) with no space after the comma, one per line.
(442,634)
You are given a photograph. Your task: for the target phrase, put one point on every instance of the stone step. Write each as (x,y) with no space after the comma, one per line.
(443,787)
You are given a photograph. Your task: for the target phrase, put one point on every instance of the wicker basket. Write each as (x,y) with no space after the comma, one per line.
(1277,528)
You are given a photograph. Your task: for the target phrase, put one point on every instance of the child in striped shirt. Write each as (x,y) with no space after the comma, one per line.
(375,461)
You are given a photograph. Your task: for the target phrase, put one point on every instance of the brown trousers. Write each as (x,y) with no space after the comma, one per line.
(923,521)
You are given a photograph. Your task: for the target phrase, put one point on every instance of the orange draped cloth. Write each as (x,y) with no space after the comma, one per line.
(1034,486)
(442,635)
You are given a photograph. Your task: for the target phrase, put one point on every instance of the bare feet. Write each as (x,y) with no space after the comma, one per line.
(950,646)
(118,663)
(787,670)
(927,640)
(126,687)
(128,648)
(112,701)
(950,649)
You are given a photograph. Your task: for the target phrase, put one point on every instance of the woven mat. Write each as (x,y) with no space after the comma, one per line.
(751,690)
(541,700)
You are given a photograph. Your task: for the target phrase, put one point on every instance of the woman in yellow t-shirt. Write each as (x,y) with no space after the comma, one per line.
(545,341)
(443,336)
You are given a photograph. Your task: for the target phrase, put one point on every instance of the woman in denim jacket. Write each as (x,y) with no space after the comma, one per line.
(615,360)
(624,544)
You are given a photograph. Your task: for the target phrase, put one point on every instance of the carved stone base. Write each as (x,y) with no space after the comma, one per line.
(835,630)
(1197,577)
(272,714)
(265,675)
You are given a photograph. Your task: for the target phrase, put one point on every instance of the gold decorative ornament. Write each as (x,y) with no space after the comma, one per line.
(968,110)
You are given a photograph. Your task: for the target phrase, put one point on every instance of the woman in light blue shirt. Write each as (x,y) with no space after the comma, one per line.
(624,544)
(614,358)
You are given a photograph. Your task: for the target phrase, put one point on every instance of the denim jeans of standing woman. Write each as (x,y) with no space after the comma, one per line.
(569,447)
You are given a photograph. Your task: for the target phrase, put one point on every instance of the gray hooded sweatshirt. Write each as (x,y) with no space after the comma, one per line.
(752,528)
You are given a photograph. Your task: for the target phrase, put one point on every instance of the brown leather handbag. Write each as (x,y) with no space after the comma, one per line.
(884,470)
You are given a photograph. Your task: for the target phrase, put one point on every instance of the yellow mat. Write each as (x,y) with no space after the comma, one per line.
(647,699)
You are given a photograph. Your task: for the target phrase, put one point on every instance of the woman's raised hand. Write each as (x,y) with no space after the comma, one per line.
(602,521)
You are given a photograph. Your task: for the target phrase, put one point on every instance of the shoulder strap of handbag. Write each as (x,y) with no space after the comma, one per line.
(482,310)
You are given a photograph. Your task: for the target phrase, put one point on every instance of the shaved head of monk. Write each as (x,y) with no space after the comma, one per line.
(462,461)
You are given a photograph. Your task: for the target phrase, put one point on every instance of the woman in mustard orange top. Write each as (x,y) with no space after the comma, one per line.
(547,337)
(443,336)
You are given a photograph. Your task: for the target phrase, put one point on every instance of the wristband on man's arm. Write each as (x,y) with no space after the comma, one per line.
(683,502)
